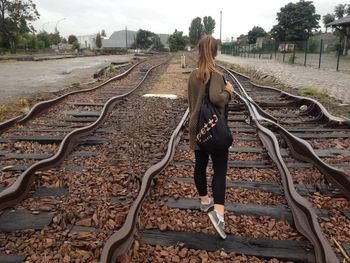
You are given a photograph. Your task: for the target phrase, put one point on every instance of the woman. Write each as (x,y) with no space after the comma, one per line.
(219,95)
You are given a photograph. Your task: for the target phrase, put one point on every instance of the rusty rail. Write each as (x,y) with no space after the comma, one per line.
(302,150)
(17,192)
(304,216)
(314,106)
(303,212)
(121,240)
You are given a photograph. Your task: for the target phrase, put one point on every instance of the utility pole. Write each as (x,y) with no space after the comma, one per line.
(126,37)
(220,27)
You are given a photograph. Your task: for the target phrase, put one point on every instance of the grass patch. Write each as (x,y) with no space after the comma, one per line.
(340,111)
(238,68)
(318,95)
(3,109)
(14,108)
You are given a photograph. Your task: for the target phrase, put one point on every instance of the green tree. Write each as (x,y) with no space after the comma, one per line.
(98,40)
(28,41)
(54,38)
(296,21)
(15,18)
(208,25)
(40,44)
(343,32)
(256,32)
(347,9)
(177,41)
(326,19)
(196,31)
(157,43)
(76,46)
(242,39)
(44,38)
(72,39)
(339,10)
(143,39)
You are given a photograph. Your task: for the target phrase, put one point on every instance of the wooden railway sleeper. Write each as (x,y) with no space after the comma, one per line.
(17,191)
(304,216)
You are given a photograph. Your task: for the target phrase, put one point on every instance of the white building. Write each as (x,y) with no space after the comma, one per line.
(87,41)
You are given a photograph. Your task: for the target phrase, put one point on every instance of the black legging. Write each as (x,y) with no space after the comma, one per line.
(219,178)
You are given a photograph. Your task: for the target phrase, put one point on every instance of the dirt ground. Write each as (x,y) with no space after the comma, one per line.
(23,79)
(174,80)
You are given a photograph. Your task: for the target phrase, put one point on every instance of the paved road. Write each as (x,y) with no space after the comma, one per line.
(24,79)
(335,84)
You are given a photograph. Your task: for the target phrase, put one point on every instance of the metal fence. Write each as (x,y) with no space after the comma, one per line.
(314,53)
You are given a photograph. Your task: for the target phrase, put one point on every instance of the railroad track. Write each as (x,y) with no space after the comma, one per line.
(42,139)
(262,220)
(56,199)
(277,207)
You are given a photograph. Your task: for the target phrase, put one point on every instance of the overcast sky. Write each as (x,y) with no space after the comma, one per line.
(89,17)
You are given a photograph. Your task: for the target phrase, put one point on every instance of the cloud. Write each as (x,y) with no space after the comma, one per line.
(86,17)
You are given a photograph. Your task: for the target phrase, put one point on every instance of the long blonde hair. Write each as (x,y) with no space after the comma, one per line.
(208,49)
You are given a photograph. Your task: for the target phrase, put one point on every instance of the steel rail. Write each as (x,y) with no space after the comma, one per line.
(9,123)
(303,212)
(303,151)
(120,242)
(245,94)
(19,189)
(43,105)
(304,215)
(315,107)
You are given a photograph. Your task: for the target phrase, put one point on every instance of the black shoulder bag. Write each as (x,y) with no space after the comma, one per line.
(213,133)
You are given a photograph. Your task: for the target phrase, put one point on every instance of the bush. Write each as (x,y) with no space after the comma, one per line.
(314,46)
(40,44)
(76,46)
(113,51)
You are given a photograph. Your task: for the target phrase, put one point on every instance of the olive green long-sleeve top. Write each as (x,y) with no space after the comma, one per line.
(219,95)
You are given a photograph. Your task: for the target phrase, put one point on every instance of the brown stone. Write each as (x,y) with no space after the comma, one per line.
(175,259)
(84,222)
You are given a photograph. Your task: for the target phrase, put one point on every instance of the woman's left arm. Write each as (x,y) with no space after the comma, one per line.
(218,93)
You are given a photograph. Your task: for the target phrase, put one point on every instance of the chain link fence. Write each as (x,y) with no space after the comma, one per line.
(315,53)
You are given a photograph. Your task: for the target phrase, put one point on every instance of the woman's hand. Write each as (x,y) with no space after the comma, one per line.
(229,86)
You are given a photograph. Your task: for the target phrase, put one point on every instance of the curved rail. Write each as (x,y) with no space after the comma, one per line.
(303,151)
(303,213)
(17,192)
(315,107)
(121,240)
(8,123)
(242,90)
(43,105)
